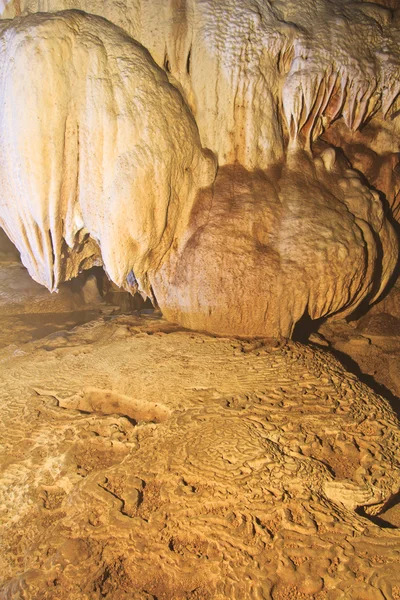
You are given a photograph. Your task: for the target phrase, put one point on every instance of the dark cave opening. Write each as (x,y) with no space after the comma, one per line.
(305,327)
(111,294)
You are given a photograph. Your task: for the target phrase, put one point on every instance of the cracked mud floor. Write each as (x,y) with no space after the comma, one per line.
(141,461)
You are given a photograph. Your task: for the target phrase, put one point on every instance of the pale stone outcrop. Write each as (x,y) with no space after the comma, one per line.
(285,230)
(256,72)
(100,158)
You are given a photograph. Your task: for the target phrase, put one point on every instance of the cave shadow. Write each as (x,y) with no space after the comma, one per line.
(381,519)
(376,519)
(113,296)
(303,330)
(352,367)
(305,327)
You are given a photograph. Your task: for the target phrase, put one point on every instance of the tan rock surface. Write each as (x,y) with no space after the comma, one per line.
(142,461)
(97,149)
(262,249)
(374,151)
(390,303)
(306,235)
(370,346)
(254,72)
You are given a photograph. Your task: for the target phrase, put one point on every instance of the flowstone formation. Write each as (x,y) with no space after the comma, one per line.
(143,462)
(237,162)
(298,102)
(100,156)
(264,248)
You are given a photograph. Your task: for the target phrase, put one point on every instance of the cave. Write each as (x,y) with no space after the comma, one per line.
(199,300)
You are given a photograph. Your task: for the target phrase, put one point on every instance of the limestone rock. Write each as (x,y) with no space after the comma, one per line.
(373,151)
(390,304)
(256,73)
(100,157)
(29,311)
(285,231)
(141,461)
(263,249)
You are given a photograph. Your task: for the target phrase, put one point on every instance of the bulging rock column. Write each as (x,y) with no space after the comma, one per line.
(101,163)
(263,248)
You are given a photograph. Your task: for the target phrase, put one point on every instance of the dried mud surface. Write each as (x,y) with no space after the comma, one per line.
(142,461)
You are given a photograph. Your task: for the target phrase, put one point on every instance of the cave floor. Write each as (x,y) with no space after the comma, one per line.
(143,461)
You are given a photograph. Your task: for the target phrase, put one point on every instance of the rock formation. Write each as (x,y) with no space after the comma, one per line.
(140,461)
(238,164)
(100,157)
(287,229)
(264,248)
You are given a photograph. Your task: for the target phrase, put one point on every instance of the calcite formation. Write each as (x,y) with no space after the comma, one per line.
(100,156)
(264,248)
(140,461)
(297,104)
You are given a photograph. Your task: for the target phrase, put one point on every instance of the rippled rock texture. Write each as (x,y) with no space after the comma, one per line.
(142,461)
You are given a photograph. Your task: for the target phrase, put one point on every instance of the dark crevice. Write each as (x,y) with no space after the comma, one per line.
(305,327)
(375,519)
(352,367)
(112,295)
(167,64)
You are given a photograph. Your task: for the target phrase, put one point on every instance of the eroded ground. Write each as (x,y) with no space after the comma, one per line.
(141,461)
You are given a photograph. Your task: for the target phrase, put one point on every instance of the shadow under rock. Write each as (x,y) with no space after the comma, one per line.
(369,380)
(377,520)
(303,330)
(352,367)
(305,327)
